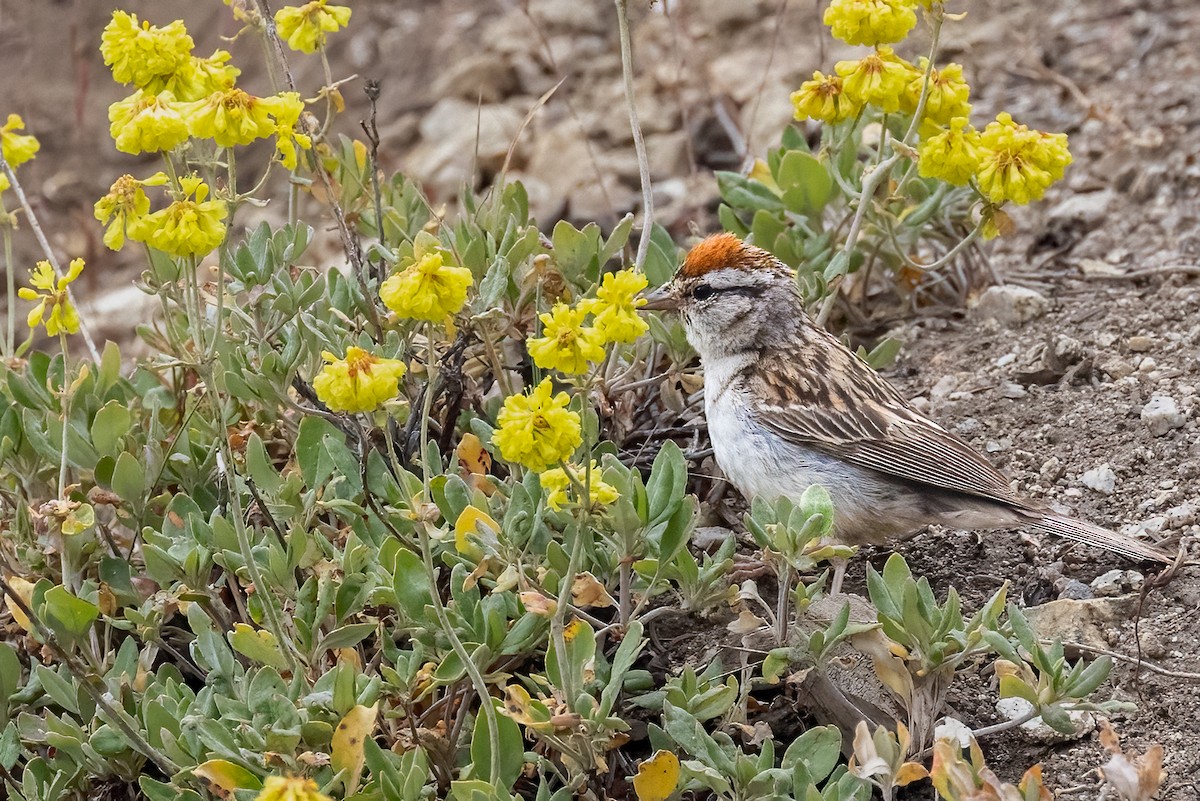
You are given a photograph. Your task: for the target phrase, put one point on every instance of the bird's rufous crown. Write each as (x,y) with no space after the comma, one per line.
(721,251)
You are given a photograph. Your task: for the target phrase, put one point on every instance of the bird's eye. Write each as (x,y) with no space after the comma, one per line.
(703,292)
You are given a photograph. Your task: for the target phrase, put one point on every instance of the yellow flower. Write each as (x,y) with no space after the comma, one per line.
(197,78)
(17,148)
(948,93)
(1017,163)
(871,22)
(566,343)
(822,99)
(139,54)
(287,138)
(538,430)
(146,123)
(54,303)
(427,288)
(233,117)
(278,788)
(304,27)
(952,155)
(616,304)
(560,489)
(187,227)
(123,208)
(360,382)
(880,79)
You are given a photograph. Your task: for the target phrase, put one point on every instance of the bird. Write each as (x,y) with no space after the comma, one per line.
(789,406)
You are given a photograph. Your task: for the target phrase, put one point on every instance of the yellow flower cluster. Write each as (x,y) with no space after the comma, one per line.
(615,306)
(429,287)
(871,22)
(190,226)
(179,95)
(17,148)
(54,307)
(140,54)
(279,788)
(304,27)
(124,208)
(1006,161)
(359,382)
(1017,163)
(569,346)
(566,343)
(1009,162)
(824,99)
(562,487)
(538,430)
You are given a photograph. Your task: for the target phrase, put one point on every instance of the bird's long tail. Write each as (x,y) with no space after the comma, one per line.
(1098,537)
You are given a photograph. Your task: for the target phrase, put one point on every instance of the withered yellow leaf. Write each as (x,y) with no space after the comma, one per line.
(347,752)
(24,591)
(656,777)
(224,777)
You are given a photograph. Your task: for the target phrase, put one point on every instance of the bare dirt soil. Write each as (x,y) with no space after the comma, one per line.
(1069,392)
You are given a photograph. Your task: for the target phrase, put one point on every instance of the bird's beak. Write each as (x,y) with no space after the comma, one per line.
(665,298)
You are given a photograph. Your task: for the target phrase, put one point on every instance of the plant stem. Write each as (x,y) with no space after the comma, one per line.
(10,343)
(639,144)
(66,413)
(781,604)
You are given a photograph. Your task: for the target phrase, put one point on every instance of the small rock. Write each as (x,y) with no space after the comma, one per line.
(1012,390)
(1182,515)
(1083,621)
(1010,305)
(1102,479)
(1051,470)
(1037,730)
(1116,367)
(1147,365)
(1139,344)
(709,538)
(942,389)
(1117,582)
(1161,415)
(1087,209)
(995,446)
(1073,589)
(953,729)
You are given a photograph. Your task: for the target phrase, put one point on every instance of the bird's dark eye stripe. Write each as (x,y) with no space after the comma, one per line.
(705,291)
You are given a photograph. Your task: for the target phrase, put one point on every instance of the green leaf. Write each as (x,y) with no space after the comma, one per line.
(1091,678)
(818,749)
(743,193)
(68,614)
(511,755)
(129,478)
(667,484)
(411,584)
(257,644)
(109,425)
(345,637)
(59,689)
(662,257)
(1057,718)
(1012,687)
(805,181)
(110,366)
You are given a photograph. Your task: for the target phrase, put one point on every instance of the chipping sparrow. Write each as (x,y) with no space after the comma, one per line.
(789,406)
